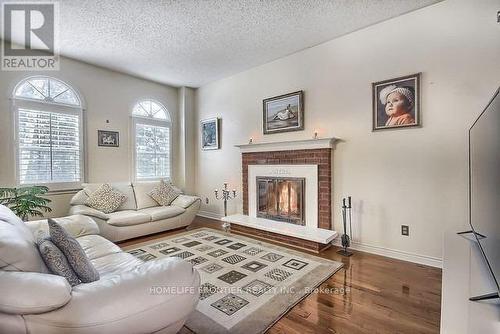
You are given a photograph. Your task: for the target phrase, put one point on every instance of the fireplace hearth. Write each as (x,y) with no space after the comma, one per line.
(281,199)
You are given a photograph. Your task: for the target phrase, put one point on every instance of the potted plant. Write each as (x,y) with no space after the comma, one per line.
(26,201)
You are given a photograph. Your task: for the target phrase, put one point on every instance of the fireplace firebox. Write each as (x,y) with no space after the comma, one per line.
(281,199)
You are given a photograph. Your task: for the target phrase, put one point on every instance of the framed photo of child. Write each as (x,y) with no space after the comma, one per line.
(396,103)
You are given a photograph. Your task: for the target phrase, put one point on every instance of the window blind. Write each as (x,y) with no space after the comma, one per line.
(152,151)
(49,147)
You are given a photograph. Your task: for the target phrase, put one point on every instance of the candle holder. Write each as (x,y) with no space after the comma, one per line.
(226,196)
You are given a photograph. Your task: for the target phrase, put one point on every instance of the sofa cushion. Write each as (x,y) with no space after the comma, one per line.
(163,212)
(87,211)
(142,190)
(73,251)
(123,187)
(96,246)
(105,199)
(18,250)
(9,217)
(55,259)
(116,263)
(31,293)
(164,193)
(76,225)
(184,201)
(128,218)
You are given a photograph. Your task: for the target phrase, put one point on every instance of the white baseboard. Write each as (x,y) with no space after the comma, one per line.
(378,250)
(211,215)
(395,254)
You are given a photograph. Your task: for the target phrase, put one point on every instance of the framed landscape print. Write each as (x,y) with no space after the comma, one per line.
(396,103)
(283,113)
(108,138)
(210,134)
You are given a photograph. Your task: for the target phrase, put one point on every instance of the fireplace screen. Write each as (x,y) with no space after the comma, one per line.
(281,199)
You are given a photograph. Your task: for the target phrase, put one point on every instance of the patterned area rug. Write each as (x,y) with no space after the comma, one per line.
(246,285)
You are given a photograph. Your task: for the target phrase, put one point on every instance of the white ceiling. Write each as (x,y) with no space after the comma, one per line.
(194,42)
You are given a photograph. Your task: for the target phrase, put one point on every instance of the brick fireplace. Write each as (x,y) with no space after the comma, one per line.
(320,157)
(279,161)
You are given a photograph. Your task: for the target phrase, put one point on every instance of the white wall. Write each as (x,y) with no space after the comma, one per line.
(186,128)
(413,176)
(416,177)
(109,96)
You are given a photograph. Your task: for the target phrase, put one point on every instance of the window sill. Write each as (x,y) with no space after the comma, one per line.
(57,188)
(151,179)
(63,192)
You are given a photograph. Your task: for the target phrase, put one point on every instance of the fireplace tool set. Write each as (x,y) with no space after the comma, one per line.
(346,238)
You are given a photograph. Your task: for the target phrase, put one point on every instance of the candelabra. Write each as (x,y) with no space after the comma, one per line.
(226,196)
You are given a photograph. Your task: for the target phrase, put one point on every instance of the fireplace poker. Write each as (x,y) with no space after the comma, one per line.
(349,206)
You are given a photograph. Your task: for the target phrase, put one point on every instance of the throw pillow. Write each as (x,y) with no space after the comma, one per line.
(164,193)
(105,199)
(55,260)
(75,254)
(79,198)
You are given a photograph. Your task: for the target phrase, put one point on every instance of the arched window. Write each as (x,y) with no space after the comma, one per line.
(152,140)
(49,143)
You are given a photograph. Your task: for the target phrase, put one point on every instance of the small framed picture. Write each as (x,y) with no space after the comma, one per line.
(283,113)
(108,138)
(210,134)
(396,103)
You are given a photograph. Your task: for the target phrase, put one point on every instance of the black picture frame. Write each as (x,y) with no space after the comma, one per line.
(283,113)
(107,138)
(210,134)
(409,116)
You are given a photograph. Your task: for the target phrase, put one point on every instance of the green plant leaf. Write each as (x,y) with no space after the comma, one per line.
(26,201)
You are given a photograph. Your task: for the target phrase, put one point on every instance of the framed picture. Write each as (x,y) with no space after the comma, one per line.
(396,103)
(284,113)
(210,134)
(108,138)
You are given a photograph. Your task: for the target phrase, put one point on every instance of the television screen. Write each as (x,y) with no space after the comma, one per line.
(484,183)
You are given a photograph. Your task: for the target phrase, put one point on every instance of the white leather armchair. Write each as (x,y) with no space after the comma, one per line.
(125,300)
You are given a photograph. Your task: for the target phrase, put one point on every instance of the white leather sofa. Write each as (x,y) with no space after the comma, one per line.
(121,301)
(140,214)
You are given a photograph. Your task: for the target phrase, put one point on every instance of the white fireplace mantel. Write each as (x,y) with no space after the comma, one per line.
(291,145)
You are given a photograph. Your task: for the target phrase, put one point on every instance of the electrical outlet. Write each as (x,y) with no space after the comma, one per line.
(206,200)
(405,230)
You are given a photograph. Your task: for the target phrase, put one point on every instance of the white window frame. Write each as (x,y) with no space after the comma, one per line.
(52,107)
(135,119)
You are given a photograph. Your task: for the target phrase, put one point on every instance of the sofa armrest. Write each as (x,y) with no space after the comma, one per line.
(76,225)
(139,291)
(31,293)
(87,211)
(184,201)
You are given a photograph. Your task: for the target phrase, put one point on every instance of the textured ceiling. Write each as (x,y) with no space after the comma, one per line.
(194,42)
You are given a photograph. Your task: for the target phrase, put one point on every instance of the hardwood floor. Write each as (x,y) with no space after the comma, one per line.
(370,294)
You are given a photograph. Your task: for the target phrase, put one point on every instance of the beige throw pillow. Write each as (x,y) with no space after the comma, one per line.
(105,199)
(164,193)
